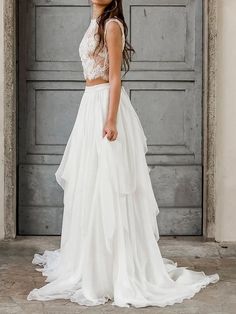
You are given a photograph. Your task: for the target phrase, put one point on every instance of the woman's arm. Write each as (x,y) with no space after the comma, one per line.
(114,46)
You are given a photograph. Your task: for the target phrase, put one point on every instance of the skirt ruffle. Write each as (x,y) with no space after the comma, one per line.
(109,248)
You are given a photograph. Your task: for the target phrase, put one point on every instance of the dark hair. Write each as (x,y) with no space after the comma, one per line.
(114,9)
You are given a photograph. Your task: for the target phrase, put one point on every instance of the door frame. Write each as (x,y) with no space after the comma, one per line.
(10,16)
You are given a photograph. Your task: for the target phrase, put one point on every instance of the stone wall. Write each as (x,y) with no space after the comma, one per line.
(209,117)
(1,121)
(8,120)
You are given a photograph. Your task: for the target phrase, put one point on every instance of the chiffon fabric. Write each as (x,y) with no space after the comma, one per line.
(109,243)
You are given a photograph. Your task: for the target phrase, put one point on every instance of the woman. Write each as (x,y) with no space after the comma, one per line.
(109,247)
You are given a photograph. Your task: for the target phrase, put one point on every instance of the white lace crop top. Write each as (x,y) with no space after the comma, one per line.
(98,65)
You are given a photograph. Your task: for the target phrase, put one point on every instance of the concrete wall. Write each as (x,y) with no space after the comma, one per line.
(1,122)
(226,121)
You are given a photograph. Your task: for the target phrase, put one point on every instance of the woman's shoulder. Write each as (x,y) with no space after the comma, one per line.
(112,21)
(120,23)
(116,20)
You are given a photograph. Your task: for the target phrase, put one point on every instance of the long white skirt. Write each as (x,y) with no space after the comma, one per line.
(109,246)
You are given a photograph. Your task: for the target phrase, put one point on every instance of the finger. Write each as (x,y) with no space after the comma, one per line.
(109,135)
(114,137)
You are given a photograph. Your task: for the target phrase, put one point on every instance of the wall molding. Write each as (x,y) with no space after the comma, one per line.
(209,117)
(10,118)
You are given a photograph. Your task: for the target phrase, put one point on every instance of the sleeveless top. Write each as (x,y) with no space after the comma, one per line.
(98,65)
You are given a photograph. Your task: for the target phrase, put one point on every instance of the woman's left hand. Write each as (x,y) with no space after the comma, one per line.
(110,130)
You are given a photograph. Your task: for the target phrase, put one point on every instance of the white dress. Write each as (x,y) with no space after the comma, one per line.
(109,243)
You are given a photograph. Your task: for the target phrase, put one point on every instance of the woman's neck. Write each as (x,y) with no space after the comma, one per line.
(97,10)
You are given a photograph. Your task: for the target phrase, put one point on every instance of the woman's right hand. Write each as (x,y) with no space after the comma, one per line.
(110,130)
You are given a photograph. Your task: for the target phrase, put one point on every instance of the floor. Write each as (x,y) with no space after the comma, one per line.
(18,277)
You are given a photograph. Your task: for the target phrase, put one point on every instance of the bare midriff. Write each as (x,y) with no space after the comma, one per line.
(95,81)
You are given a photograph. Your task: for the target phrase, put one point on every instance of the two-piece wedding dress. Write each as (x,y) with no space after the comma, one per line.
(109,246)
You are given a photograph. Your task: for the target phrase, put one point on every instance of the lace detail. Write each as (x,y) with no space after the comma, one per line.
(95,66)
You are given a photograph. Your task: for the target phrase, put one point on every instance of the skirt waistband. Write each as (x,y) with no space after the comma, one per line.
(97,87)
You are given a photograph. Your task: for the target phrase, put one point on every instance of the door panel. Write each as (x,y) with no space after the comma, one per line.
(165,87)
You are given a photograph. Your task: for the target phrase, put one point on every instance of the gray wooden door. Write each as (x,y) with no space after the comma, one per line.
(165,87)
